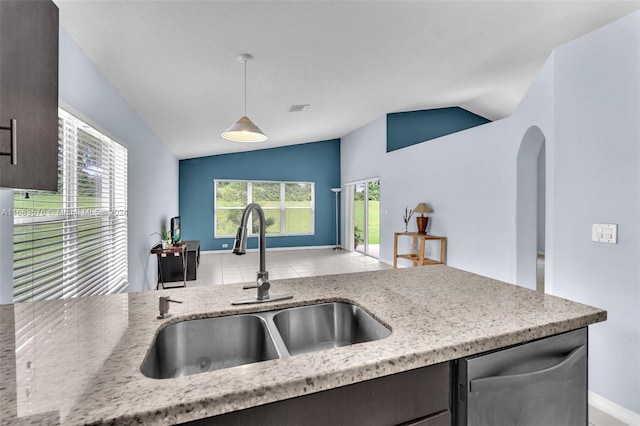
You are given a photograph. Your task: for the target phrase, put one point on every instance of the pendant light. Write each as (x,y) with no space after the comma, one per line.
(244,130)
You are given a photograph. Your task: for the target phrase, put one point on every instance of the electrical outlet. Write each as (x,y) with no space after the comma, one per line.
(605,233)
(225,245)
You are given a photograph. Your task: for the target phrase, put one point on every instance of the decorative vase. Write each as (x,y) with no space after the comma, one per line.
(422,222)
(166,244)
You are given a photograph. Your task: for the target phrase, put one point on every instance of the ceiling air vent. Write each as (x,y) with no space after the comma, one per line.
(298,108)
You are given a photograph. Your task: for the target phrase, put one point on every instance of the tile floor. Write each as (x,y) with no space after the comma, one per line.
(227,268)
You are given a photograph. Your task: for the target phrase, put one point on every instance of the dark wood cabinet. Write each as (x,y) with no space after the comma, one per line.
(29,93)
(414,397)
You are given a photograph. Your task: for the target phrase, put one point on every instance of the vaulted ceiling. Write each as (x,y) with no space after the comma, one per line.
(175,61)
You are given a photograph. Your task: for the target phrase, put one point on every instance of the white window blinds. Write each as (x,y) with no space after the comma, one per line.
(73,242)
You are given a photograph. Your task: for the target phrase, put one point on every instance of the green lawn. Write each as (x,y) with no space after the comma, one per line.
(43,240)
(41,243)
(374,219)
(231,197)
(297,221)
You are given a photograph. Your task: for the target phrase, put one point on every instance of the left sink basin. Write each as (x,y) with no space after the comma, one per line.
(197,346)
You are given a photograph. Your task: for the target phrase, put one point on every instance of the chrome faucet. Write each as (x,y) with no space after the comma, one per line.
(240,247)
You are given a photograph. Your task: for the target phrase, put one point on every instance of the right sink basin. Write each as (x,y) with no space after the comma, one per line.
(324,326)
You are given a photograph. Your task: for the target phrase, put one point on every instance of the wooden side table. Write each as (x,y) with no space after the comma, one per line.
(419,259)
(178,250)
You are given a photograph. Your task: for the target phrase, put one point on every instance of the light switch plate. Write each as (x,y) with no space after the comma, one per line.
(605,233)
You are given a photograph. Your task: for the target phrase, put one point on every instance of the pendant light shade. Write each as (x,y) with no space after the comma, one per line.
(244,130)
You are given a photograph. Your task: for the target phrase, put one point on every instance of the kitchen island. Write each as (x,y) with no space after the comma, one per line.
(84,367)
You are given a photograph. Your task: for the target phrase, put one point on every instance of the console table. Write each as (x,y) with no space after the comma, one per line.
(165,255)
(418,259)
(174,266)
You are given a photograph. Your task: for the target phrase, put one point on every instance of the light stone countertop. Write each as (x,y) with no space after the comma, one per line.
(85,368)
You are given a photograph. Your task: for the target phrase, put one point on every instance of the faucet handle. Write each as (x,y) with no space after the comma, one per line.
(262,283)
(163,306)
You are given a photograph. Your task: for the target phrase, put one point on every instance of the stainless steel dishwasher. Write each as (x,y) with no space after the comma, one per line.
(540,383)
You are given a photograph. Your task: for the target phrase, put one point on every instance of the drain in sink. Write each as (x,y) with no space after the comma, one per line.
(203,363)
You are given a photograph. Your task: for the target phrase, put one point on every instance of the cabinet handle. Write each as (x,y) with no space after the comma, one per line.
(13,129)
(497,382)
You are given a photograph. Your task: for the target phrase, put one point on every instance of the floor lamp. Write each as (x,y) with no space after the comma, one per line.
(336,191)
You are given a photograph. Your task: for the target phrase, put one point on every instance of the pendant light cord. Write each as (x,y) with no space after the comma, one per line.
(244,130)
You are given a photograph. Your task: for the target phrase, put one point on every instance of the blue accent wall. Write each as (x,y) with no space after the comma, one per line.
(409,128)
(317,162)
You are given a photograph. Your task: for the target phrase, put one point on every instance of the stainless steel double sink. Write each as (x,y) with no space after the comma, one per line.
(200,345)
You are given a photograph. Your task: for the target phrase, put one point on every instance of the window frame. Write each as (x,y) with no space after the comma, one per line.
(282,208)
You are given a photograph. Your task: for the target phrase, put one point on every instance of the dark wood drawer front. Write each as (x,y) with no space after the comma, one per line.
(389,400)
(440,419)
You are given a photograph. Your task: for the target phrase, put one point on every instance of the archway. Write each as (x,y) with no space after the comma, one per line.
(530,206)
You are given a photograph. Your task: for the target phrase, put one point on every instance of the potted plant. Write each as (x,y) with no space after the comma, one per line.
(166,238)
(357,237)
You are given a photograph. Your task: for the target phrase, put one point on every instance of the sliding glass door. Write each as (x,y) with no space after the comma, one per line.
(366,217)
(359,218)
(373,219)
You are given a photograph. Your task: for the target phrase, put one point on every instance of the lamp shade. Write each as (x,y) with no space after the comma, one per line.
(244,130)
(422,208)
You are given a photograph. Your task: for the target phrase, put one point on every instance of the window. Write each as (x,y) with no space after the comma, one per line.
(73,242)
(288,206)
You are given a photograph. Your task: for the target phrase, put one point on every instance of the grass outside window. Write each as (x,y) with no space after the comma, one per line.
(288,206)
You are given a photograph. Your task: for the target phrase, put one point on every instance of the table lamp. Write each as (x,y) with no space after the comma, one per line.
(422,221)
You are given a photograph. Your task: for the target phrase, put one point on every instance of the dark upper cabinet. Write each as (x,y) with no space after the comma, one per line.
(29,93)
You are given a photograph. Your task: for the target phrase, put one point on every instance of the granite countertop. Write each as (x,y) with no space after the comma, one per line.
(85,367)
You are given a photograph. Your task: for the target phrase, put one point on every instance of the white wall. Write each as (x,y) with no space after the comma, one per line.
(597,169)
(361,159)
(468,178)
(152,169)
(585,103)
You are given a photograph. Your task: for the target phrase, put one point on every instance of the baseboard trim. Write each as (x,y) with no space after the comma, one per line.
(227,251)
(614,410)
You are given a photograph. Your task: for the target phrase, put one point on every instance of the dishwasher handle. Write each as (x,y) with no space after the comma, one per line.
(496,382)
